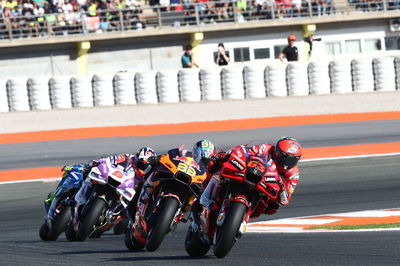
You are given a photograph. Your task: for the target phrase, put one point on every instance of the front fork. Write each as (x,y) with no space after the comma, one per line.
(222,214)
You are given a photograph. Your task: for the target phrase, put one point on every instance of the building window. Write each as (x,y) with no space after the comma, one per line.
(371,45)
(278,49)
(261,53)
(353,46)
(241,54)
(392,43)
(333,48)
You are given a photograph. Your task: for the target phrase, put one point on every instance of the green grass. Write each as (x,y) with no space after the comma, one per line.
(356,227)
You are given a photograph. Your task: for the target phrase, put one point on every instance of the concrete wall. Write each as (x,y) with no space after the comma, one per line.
(159,52)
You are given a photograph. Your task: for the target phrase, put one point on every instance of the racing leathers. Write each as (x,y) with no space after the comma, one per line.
(126,163)
(287,179)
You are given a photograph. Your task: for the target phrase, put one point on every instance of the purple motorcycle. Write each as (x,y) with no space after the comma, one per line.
(109,188)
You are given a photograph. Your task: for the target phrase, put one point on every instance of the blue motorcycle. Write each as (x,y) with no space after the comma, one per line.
(57,205)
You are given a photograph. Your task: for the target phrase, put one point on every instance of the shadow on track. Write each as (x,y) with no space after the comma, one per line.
(117,251)
(162,258)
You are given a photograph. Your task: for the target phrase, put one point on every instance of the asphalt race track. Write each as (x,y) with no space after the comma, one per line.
(326,187)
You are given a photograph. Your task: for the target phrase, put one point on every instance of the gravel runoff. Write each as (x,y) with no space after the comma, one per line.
(13,122)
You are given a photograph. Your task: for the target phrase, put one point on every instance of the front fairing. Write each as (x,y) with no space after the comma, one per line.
(174,165)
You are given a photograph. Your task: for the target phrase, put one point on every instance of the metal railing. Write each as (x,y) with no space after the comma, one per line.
(186,14)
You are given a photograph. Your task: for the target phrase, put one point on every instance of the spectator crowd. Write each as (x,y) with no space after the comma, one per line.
(36,18)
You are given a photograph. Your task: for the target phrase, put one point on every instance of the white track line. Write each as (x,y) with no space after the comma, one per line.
(350,157)
(269,226)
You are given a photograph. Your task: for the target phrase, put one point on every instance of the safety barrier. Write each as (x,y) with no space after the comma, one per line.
(192,85)
(318,77)
(384,73)
(124,88)
(167,86)
(363,78)
(60,92)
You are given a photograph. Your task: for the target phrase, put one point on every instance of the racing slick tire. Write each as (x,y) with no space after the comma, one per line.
(131,242)
(121,225)
(194,245)
(90,217)
(227,234)
(163,220)
(57,226)
(70,233)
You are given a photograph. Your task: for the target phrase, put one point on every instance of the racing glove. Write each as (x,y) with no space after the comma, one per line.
(154,160)
(283,194)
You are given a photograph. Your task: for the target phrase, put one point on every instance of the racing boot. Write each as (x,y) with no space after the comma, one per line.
(197,242)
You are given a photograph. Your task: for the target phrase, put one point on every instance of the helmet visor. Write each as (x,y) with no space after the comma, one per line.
(287,161)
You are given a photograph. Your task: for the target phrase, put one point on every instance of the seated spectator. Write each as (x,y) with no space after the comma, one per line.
(221,8)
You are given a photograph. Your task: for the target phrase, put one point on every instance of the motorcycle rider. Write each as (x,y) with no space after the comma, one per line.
(286,153)
(203,151)
(137,162)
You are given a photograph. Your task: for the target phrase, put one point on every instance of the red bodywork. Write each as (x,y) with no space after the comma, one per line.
(254,179)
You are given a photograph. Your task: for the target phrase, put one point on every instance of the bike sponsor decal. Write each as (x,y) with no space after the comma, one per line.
(270,179)
(187,160)
(237,164)
(263,185)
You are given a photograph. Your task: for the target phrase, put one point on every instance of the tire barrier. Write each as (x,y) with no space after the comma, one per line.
(3,96)
(363,77)
(384,73)
(232,83)
(60,92)
(103,91)
(210,84)
(189,85)
(17,94)
(124,88)
(145,84)
(297,79)
(167,86)
(254,82)
(397,70)
(81,91)
(275,78)
(39,93)
(318,78)
(192,85)
(340,73)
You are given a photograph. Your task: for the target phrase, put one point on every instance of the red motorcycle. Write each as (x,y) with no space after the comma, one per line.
(245,184)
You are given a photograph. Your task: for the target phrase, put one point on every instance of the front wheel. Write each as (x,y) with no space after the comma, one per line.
(163,220)
(228,233)
(90,217)
(58,225)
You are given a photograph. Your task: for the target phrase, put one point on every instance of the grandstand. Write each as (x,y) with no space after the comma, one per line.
(131,35)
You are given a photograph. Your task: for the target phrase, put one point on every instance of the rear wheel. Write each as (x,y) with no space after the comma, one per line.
(70,233)
(196,246)
(58,225)
(131,242)
(163,220)
(44,229)
(121,225)
(90,217)
(228,233)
